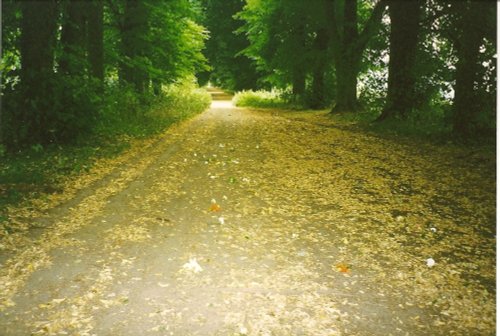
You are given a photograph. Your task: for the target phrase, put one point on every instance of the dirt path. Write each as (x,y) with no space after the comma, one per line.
(245,222)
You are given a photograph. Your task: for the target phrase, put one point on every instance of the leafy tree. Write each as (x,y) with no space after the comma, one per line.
(230,69)
(160,42)
(289,42)
(60,59)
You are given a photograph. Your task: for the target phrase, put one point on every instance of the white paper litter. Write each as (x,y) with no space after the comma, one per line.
(192,266)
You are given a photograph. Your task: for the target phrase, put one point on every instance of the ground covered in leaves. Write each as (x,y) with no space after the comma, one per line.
(243,222)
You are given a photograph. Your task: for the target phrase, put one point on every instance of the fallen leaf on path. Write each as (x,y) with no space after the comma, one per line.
(342,268)
(214,207)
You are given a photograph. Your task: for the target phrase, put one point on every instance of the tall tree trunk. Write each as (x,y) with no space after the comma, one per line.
(405,16)
(465,103)
(347,69)
(73,38)
(318,84)
(38,35)
(133,45)
(348,46)
(298,70)
(96,39)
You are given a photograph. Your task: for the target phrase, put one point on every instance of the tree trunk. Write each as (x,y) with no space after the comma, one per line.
(318,84)
(38,35)
(299,83)
(346,64)
(133,44)
(348,46)
(156,83)
(298,69)
(405,16)
(73,37)
(95,39)
(465,105)
(347,69)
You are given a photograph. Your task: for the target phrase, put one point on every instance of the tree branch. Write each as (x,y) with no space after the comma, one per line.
(371,26)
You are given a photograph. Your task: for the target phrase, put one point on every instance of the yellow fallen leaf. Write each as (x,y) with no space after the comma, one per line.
(342,268)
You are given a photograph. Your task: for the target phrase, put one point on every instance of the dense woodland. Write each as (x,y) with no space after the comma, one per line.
(67,65)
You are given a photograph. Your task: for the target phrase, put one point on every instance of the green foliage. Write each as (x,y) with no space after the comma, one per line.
(281,37)
(230,70)
(265,99)
(179,102)
(127,113)
(61,101)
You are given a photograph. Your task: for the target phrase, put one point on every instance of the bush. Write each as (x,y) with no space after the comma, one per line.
(264,99)
(179,102)
(55,111)
(127,113)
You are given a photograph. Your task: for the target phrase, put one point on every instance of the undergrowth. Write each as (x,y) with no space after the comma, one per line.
(39,170)
(265,99)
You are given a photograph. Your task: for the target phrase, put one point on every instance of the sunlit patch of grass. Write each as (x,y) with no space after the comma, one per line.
(263,99)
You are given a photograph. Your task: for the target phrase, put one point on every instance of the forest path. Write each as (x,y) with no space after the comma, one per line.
(247,222)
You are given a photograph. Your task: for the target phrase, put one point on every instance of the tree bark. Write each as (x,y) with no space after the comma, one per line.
(73,38)
(298,70)
(299,83)
(96,39)
(318,84)
(133,45)
(466,104)
(37,44)
(405,17)
(347,69)
(349,44)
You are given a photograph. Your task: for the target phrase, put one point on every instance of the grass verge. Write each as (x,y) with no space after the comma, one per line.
(37,171)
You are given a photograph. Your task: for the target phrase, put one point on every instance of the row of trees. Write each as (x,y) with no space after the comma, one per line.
(62,58)
(440,52)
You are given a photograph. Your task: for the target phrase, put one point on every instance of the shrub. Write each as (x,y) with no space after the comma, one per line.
(264,99)
(127,113)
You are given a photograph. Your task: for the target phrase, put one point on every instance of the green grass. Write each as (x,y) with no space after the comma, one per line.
(39,170)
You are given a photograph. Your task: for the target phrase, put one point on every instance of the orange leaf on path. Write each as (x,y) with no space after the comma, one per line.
(215,207)
(342,268)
